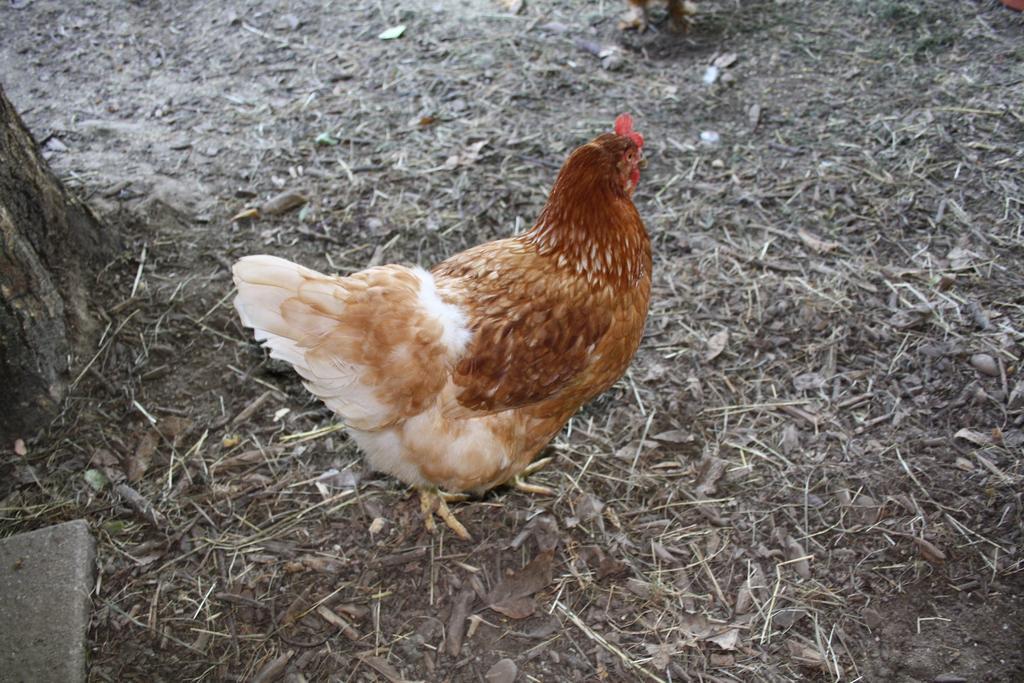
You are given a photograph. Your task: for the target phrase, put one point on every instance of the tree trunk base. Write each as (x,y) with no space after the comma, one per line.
(51,244)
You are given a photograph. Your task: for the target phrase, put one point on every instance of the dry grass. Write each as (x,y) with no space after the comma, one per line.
(818,445)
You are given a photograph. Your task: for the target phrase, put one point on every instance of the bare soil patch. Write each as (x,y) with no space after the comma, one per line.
(812,470)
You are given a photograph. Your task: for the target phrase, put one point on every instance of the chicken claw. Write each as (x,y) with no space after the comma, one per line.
(433,502)
(536,489)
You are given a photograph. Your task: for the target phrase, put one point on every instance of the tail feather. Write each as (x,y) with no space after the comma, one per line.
(291,310)
(264,284)
(372,345)
(267,301)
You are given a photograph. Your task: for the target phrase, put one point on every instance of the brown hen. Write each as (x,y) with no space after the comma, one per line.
(681,12)
(455,378)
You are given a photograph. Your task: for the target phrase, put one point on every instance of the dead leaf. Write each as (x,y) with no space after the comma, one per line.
(872,618)
(662,553)
(512,595)
(911,317)
(1011,438)
(612,58)
(516,608)
(609,567)
(716,345)
(251,212)
(722,661)
(243,459)
(339,621)
(695,626)
(805,655)
(808,381)
(661,655)
(724,61)
(96,479)
(991,467)
(754,115)
(467,157)
(674,436)
(143,456)
(960,258)
(543,529)
(173,428)
(323,565)
(785,618)
(1016,400)
(533,577)
(753,588)
(963,464)
(383,667)
(795,551)
(101,457)
(588,507)
(977,438)
(727,640)
(273,669)
(985,364)
(283,202)
(790,439)
(640,588)
(503,671)
(392,33)
(457,620)
(816,243)
(513,6)
(555,27)
(710,471)
(929,551)
(866,510)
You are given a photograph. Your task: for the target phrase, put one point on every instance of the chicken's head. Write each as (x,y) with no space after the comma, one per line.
(631,158)
(606,168)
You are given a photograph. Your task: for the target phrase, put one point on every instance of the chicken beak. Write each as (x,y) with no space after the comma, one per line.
(642,163)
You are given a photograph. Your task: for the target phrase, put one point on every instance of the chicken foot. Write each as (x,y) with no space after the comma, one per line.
(434,502)
(536,489)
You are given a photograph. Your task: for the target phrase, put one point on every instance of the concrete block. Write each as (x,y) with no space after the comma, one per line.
(46,576)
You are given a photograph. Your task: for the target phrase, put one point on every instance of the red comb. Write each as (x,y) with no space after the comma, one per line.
(624,126)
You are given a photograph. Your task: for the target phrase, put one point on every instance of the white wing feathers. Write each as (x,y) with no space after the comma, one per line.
(375,346)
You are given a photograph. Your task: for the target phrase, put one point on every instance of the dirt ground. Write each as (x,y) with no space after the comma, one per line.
(813,469)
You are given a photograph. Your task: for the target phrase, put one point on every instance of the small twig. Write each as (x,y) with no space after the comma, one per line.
(251,409)
(142,506)
(320,236)
(312,434)
(138,406)
(797,412)
(138,273)
(273,669)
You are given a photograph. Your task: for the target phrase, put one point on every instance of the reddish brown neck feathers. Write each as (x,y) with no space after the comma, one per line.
(589,222)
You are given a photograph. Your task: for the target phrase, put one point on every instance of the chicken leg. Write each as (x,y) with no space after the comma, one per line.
(433,502)
(636,17)
(536,489)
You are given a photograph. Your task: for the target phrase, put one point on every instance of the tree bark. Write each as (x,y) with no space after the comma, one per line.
(51,245)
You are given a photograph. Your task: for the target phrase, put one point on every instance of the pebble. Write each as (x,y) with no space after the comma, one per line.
(503,671)
(985,364)
(710,137)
